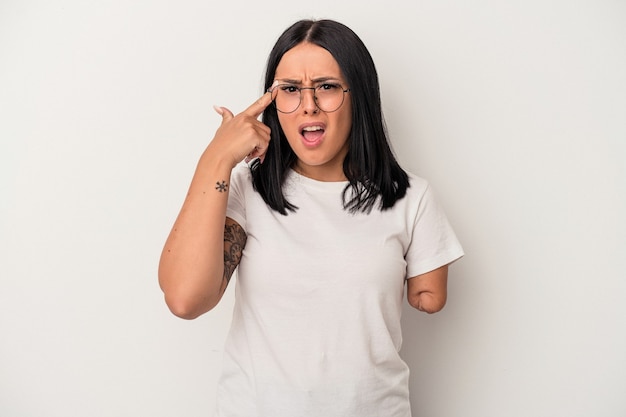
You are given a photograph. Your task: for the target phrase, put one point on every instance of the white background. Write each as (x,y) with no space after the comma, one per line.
(515,111)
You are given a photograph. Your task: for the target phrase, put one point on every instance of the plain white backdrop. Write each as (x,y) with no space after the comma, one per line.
(515,112)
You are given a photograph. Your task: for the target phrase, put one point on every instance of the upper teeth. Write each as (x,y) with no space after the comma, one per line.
(312,128)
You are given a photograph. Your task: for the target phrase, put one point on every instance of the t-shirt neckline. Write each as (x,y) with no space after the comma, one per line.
(308,182)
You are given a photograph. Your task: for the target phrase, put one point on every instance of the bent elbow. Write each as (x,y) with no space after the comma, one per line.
(182,311)
(187,308)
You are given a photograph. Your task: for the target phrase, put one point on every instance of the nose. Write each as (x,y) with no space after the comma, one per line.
(309,104)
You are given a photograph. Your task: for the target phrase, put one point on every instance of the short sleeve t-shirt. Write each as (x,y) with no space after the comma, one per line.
(318,300)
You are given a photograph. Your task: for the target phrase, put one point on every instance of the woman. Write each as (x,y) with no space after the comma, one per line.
(326,231)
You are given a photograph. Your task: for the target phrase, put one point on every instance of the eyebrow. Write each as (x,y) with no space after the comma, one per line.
(315,81)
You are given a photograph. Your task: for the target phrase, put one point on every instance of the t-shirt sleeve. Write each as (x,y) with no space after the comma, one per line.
(433,241)
(236,208)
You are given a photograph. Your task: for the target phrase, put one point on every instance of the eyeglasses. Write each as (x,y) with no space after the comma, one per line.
(328,96)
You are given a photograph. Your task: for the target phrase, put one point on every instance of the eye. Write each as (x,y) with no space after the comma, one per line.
(287,88)
(328,87)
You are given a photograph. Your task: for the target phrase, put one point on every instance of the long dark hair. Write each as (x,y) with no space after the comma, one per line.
(370,166)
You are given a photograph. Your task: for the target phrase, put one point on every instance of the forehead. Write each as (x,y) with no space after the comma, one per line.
(307,61)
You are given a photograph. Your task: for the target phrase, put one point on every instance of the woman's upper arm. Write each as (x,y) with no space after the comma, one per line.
(428,292)
(234,242)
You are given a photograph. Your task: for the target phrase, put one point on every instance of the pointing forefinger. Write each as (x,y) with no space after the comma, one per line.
(258,106)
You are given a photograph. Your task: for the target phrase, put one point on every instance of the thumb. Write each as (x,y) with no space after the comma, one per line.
(224,112)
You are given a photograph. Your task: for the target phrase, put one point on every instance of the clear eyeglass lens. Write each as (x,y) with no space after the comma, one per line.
(287,98)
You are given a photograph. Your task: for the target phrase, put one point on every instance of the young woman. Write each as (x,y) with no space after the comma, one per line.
(326,231)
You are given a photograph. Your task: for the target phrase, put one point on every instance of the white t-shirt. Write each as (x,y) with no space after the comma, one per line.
(316,324)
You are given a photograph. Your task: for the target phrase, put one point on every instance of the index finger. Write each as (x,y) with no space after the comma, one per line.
(258,106)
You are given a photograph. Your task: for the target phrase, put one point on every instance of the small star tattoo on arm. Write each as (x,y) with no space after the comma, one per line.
(222,187)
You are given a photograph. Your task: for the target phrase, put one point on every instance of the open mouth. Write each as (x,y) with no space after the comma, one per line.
(312,133)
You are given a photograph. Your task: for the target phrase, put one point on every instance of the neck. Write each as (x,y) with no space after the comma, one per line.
(320,173)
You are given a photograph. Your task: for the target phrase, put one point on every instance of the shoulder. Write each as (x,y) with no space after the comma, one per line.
(241,177)
(241,172)
(239,195)
(418,186)
(420,196)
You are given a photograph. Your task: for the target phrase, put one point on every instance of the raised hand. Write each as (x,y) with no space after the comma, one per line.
(241,136)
